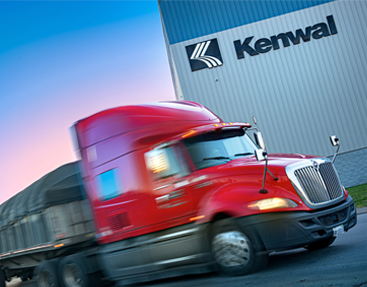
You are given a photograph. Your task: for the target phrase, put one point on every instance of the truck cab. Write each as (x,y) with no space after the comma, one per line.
(167,182)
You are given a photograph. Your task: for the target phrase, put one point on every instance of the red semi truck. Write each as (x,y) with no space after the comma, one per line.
(168,189)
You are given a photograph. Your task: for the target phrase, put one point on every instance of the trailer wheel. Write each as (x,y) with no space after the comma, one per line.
(2,278)
(47,275)
(235,251)
(73,272)
(321,244)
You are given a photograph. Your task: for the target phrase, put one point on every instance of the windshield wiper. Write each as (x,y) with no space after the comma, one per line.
(216,158)
(244,153)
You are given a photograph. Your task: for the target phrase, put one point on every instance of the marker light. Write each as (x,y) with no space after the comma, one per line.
(188,134)
(216,125)
(272,203)
(59,245)
(345,191)
(197,217)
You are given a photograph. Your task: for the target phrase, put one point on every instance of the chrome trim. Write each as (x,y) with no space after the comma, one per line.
(181,183)
(115,204)
(162,199)
(176,259)
(315,164)
(163,186)
(178,234)
(200,185)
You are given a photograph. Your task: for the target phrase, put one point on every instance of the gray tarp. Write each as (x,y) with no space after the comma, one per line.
(57,187)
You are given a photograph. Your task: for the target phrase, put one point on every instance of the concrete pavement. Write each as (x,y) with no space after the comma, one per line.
(361,210)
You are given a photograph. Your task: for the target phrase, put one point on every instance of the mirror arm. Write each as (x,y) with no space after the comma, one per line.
(261,143)
(275,178)
(263,190)
(336,153)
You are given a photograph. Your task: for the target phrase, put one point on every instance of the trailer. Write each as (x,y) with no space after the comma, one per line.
(49,219)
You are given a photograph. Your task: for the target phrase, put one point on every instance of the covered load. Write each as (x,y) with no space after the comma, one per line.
(51,210)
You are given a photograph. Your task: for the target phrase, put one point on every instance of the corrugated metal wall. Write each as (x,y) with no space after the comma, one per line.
(300,94)
(188,19)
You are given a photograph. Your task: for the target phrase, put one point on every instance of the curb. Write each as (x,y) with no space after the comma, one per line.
(361,210)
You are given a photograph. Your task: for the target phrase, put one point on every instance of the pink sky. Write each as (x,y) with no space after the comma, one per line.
(50,81)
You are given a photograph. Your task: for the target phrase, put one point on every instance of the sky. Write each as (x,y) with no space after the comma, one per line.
(61,61)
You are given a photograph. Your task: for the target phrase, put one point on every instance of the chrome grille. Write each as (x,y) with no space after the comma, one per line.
(331,180)
(319,185)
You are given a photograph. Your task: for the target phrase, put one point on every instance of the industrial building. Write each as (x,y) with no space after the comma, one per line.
(300,67)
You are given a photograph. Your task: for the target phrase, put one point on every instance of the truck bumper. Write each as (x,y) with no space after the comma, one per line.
(287,230)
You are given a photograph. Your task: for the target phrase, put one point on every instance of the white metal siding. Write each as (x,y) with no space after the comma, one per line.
(300,94)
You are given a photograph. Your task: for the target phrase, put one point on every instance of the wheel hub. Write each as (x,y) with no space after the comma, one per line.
(231,249)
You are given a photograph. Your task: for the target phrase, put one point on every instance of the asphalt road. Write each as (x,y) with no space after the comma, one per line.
(344,263)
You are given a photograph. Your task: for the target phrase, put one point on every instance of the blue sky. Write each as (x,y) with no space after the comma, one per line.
(62,61)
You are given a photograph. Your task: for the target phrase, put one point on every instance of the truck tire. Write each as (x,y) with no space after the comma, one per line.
(236,252)
(47,275)
(2,278)
(73,272)
(321,244)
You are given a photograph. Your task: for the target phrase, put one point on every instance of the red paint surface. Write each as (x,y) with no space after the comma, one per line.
(120,137)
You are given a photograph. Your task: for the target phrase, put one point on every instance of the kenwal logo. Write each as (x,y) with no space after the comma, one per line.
(204,55)
(264,45)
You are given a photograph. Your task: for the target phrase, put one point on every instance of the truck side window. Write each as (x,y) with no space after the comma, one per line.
(166,162)
(108,185)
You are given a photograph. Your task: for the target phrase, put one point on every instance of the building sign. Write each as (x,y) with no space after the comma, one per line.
(207,54)
(264,45)
(204,55)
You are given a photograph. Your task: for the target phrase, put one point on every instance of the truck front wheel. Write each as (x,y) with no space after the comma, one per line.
(74,272)
(236,252)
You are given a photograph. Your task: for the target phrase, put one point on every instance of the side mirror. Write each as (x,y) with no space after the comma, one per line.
(261,154)
(334,140)
(260,140)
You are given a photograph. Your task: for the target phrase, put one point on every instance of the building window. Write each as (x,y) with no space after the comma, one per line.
(108,186)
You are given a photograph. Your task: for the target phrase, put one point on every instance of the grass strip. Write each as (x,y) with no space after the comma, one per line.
(359,194)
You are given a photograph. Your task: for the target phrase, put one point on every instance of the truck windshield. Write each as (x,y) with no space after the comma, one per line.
(218,147)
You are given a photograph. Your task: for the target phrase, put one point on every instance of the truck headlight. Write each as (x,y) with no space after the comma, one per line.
(272,203)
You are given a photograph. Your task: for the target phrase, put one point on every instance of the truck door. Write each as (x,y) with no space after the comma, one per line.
(171,188)
(120,202)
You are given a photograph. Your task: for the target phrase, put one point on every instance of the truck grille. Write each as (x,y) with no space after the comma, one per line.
(321,184)
(336,217)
